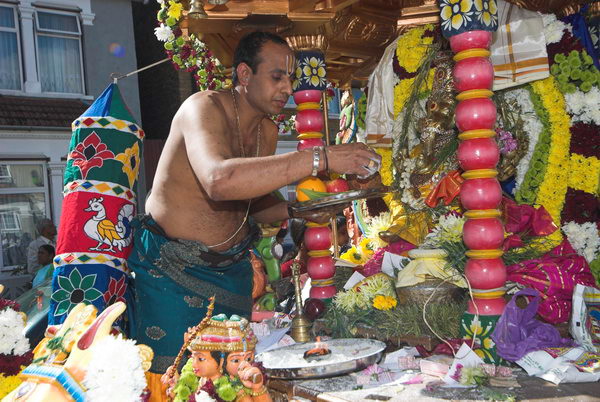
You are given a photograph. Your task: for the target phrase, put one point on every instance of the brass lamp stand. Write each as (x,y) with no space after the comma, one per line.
(301,325)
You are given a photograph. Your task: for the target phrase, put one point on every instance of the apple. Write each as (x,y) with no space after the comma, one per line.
(314,308)
(338,185)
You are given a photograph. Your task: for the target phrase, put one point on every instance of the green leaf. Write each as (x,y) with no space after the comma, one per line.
(65,283)
(60,295)
(88,281)
(63,307)
(75,278)
(314,195)
(91,294)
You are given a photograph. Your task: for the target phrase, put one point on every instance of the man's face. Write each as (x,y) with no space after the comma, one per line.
(44,257)
(235,359)
(49,231)
(270,86)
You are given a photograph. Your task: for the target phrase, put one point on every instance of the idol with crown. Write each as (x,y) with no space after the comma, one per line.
(221,366)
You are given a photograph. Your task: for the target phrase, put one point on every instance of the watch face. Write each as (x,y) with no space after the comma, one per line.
(277,251)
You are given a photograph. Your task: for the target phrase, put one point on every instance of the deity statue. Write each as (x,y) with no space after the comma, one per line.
(347,121)
(436,128)
(221,366)
(75,361)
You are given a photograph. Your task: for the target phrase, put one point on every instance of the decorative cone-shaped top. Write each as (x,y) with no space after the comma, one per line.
(110,103)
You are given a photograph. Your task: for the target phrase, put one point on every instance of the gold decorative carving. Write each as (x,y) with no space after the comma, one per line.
(272,23)
(308,42)
(345,29)
(146,354)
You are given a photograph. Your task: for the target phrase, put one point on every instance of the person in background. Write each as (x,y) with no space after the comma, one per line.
(45,256)
(47,232)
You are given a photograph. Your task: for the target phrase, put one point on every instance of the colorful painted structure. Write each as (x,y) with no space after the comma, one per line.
(95,236)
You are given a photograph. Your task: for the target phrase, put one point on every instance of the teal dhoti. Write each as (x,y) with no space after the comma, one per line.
(174,280)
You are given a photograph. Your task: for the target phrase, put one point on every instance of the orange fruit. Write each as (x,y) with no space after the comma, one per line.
(309,183)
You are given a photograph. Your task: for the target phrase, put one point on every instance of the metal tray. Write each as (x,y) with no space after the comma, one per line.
(323,368)
(339,198)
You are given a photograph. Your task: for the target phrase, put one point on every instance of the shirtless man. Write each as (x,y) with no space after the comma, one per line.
(212,183)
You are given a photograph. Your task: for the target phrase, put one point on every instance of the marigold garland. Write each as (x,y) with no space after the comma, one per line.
(410,51)
(8,384)
(412,47)
(584,173)
(553,188)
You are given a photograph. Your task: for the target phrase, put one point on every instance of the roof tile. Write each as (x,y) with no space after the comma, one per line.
(39,112)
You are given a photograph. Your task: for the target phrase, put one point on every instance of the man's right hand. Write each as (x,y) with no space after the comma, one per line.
(356,158)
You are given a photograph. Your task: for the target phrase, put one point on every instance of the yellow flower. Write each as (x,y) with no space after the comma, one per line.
(354,256)
(585,172)
(374,226)
(365,246)
(401,93)
(488,343)
(412,46)
(553,189)
(351,300)
(174,9)
(130,159)
(385,171)
(314,71)
(455,13)
(486,12)
(8,384)
(475,327)
(381,302)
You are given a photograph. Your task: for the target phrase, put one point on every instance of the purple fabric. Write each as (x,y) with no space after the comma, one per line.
(554,275)
(518,332)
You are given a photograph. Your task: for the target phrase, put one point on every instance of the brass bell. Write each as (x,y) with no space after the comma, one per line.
(197,10)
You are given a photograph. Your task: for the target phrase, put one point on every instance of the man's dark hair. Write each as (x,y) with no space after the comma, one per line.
(248,48)
(49,249)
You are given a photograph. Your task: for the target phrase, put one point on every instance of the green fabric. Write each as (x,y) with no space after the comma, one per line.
(112,169)
(482,328)
(117,108)
(170,299)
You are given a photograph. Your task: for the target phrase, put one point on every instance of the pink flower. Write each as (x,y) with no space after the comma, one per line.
(457,373)
(508,143)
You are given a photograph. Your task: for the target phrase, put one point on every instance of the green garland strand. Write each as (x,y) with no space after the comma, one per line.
(527,193)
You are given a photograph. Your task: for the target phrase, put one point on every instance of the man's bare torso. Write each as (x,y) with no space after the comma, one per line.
(179,203)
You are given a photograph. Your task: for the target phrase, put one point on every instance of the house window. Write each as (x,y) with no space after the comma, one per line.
(58,38)
(10,65)
(23,203)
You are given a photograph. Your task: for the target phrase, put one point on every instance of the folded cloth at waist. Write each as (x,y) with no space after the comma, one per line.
(173,281)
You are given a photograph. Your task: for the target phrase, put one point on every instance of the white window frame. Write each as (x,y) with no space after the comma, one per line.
(16,218)
(18,31)
(27,190)
(2,175)
(59,34)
